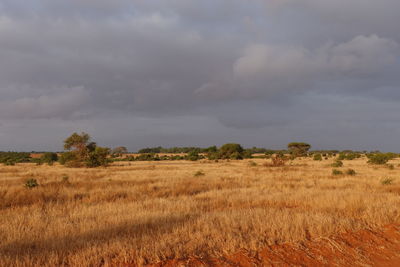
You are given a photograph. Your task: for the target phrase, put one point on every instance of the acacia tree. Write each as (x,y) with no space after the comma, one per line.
(79,143)
(82,152)
(298,148)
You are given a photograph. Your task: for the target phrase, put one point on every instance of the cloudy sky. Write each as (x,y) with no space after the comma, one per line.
(187,72)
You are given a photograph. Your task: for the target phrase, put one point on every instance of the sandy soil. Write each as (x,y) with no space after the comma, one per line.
(362,248)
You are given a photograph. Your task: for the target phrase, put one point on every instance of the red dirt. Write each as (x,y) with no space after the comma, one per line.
(362,248)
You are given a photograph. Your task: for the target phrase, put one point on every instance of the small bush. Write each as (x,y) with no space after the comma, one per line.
(252,163)
(390,166)
(65,179)
(380,158)
(199,173)
(348,156)
(351,172)
(336,172)
(10,162)
(317,157)
(387,181)
(49,158)
(337,164)
(31,183)
(193,156)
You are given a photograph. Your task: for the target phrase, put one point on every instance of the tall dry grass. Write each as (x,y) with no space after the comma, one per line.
(149,211)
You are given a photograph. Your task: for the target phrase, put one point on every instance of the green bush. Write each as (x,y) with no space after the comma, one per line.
(387,181)
(348,156)
(252,163)
(336,172)
(380,158)
(31,183)
(67,157)
(193,156)
(230,151)
(98,157)
(11,158)
(49,158)
(337,164)
(317,157)
(351,172)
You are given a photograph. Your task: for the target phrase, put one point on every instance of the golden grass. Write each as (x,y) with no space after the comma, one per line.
(148,211)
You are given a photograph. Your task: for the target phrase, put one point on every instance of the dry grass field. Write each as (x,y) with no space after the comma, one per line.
(144,212)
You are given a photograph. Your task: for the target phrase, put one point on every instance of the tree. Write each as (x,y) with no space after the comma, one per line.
(298,149)
(231,151)
(82,152)
(78,143)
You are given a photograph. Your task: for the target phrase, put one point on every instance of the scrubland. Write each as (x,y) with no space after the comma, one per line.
(144,212)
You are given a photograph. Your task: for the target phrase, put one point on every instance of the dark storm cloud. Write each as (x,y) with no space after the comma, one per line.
(187,72)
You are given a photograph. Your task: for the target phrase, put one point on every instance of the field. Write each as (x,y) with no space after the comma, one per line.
(146,212)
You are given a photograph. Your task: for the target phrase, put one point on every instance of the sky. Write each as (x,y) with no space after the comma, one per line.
(143,73)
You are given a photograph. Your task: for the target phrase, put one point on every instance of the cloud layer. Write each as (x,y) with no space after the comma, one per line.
(200,72)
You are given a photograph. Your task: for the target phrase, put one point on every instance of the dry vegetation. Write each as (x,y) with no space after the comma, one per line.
(148,211)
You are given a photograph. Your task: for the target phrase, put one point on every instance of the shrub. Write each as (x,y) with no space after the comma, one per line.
(231,151)
(387,181)
(317,157)
(66,157)
(348,156)
(351,172)
(337,164)
(98,157)
(147,157)
(380,158)
(252,163)
(10,162)
(193,156)
(49,158)
(199,173)
(65,179)
(236,155)
(336,172)
(31,183)
(390,166)
(247,154)
(11,158)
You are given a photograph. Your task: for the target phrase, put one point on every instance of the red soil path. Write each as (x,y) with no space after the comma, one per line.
(362,248)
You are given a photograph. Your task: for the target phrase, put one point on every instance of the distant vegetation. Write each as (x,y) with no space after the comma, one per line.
(80,151)
(11,158)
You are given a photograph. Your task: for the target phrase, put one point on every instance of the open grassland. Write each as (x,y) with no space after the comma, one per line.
(144,212)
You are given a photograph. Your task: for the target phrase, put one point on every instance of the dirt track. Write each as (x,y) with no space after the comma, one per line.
(363,248)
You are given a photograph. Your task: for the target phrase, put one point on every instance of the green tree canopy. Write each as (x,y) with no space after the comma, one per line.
(298,148)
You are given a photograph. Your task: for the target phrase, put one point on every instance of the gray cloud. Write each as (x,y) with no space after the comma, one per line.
(189,72)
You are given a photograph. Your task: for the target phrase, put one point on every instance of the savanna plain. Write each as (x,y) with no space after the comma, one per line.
(146,212)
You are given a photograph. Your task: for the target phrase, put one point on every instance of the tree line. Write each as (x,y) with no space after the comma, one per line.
(81,151)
